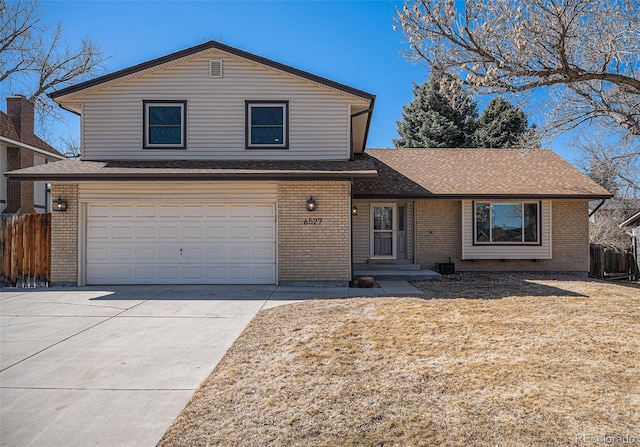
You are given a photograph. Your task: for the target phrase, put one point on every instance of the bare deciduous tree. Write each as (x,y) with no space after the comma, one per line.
(611,161)
(35,59)
(587,51)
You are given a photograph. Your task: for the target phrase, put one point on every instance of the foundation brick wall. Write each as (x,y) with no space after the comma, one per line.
(439,233)
(314,252)
(64,237)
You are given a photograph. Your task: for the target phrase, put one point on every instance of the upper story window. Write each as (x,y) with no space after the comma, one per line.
(507,223)
(267,124)
(165,124)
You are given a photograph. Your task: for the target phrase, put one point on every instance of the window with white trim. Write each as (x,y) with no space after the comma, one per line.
(165,124)
(507,223)
(267,124)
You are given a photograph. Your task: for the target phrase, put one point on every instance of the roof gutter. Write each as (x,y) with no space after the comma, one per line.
(31,148)
(193,177)
(435,196)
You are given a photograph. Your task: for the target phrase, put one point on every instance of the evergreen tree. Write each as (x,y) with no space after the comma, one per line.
(442,114)
(500,125)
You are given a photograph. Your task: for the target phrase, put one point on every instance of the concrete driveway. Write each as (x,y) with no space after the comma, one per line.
(111,365)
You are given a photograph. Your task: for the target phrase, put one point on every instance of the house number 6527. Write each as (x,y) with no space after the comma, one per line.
(315,221)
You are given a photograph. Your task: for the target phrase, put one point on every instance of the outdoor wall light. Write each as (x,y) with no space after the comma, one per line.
(354,210)
(311,204)
(60,205)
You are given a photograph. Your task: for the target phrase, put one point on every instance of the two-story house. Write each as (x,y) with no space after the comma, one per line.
(21,148)
(214,165)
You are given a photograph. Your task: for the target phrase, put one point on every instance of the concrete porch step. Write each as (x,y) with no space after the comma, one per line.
(398,275)
(376,266)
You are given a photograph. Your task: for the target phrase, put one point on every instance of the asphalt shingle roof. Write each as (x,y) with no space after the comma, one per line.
(8,130)
(473,173)
(391,173)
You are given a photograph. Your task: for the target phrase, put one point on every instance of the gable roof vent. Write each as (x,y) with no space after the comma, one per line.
(215,68)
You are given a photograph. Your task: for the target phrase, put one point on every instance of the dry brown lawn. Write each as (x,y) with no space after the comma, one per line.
(547,362)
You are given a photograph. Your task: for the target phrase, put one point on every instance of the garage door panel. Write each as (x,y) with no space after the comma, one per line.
(240,231)
(168,253)
(193,272)
(145,211)
(145,273)
(264,254)
(122,254)
(145,232)
(122,232)
(122,211)
(168,274)
(181,243)
(216,211)
(264,231)
(264,273)
(168,211)
(216,231)
(168,231)
(241,211)
(264,211)
(99,211)
(145,254)
(216,273)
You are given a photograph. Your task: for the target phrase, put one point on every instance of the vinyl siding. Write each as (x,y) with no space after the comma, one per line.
(318,116)
(470,251)
(362,230)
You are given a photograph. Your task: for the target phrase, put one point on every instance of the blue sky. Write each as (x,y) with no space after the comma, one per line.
(350,42)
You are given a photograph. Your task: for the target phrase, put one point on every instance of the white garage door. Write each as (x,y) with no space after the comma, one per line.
(227,243)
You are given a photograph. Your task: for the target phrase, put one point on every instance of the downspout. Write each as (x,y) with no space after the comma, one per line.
(351,228)
(597,207)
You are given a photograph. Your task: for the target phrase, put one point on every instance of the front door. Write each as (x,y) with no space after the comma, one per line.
(383,230)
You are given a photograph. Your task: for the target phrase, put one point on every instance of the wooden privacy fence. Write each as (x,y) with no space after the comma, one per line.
(607,263)
(25,250)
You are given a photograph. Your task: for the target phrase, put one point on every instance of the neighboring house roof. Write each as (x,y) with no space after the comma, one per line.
(10,136)
(469,173)
(633,220)
(204,47)
(186,170)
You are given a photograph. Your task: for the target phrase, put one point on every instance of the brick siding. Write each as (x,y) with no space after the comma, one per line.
(314,252)
(64,237)
(19,193)
(439,237)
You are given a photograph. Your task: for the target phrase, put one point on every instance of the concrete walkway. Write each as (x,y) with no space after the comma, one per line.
(114,366)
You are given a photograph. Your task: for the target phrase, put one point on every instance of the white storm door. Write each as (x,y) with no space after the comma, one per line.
(383,230)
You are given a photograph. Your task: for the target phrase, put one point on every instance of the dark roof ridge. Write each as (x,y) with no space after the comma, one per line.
(203,47)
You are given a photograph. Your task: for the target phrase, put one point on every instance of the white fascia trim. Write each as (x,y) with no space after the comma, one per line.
(13,143)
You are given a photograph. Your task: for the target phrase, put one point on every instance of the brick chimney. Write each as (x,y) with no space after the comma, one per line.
(20,109)
(20,194)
